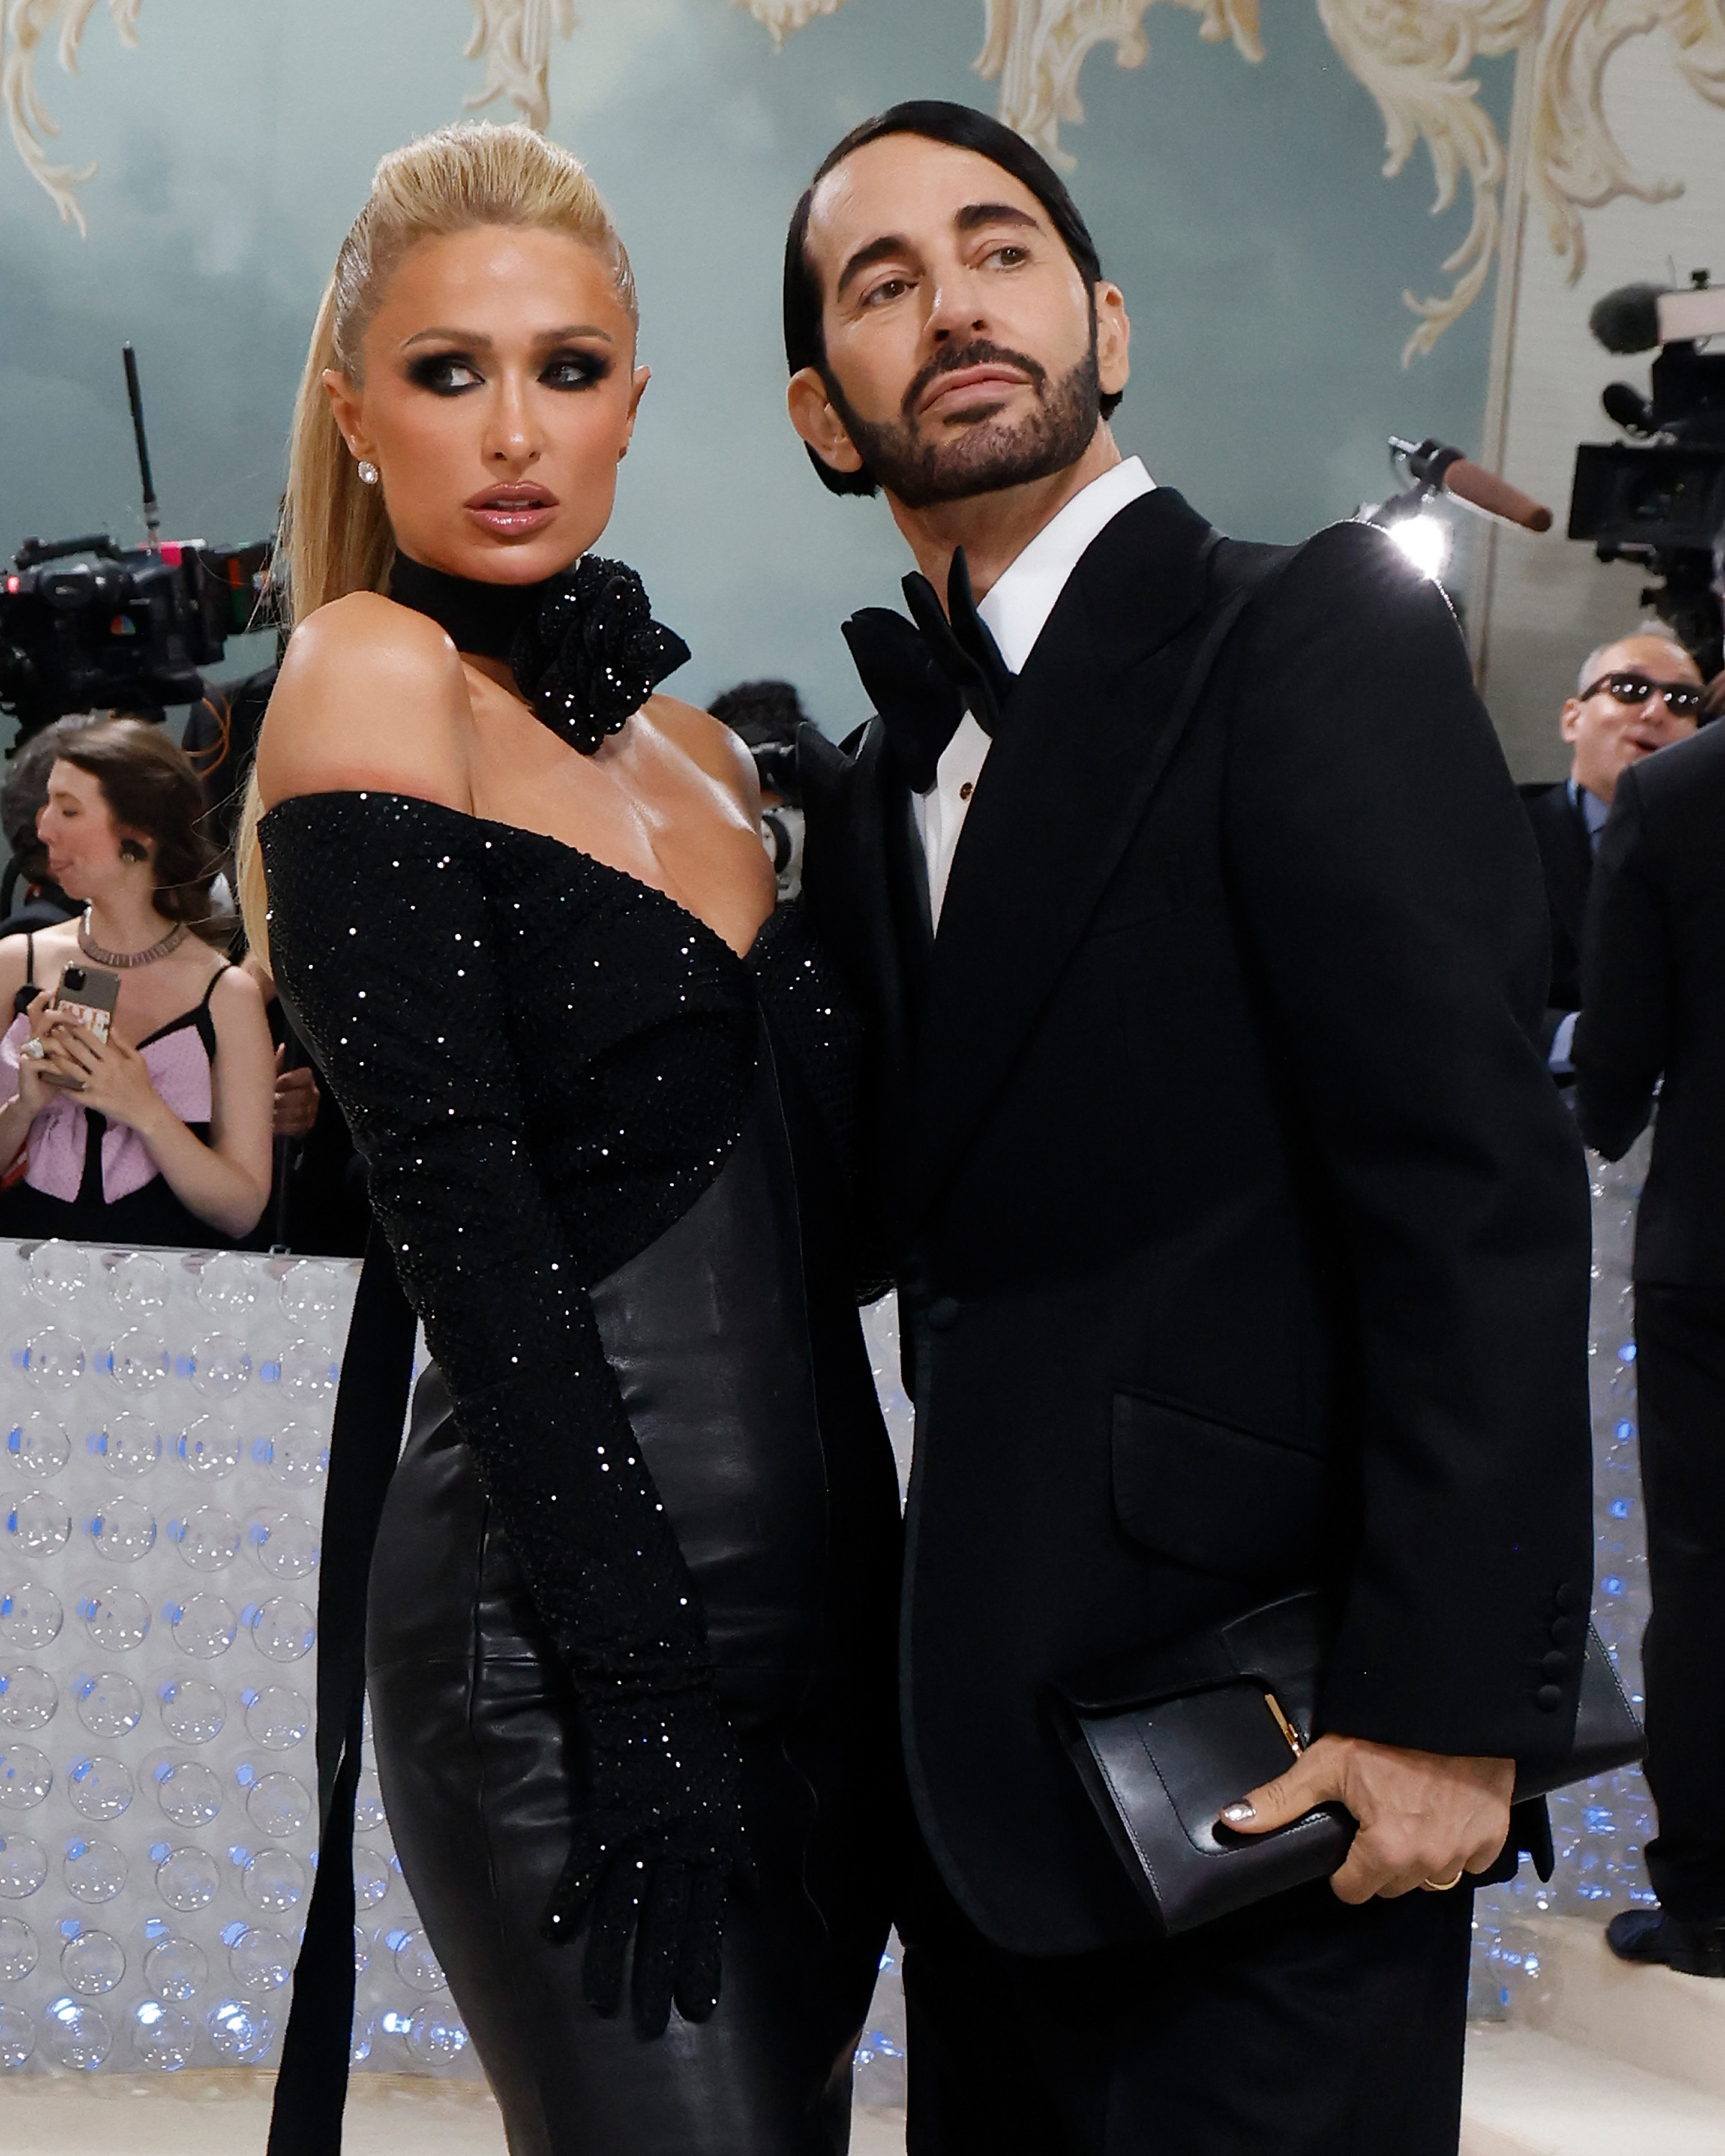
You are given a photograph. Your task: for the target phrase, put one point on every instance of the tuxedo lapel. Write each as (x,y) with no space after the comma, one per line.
(1082,741)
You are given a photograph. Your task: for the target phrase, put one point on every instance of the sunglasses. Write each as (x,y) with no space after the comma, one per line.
(1682,699)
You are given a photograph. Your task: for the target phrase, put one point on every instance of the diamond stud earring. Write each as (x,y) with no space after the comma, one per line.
(368,471)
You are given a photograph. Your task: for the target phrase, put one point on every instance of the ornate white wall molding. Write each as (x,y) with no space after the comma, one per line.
(1414,57)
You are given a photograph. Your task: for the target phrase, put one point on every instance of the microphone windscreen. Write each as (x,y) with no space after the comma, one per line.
(1627,319)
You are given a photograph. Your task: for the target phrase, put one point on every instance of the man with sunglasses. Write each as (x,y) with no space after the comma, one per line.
(1632,697)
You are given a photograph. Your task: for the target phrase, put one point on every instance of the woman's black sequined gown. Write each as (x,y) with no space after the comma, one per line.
(648,1457)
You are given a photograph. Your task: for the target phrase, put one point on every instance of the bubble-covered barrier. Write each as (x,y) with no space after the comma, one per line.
(1598,1829)
(167,1419)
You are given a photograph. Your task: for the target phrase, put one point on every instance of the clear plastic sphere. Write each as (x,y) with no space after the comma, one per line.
(260,1960)
(370,1876)
(52,1361)
(276,1718)
(23,1866)
(25,1778)
(368,1815)
(312,1296)
(187,1879)
(162,2035)
(188,1793)
(18,2038)
(226,1287)
(309,1373)
(206,1539)
(220,1366)
(17,1950)
(436,2036)
(359,2047)
(131,1443)
(30,1614)
(285,1545)
(204,1626)
(239,2031)
(274,1880)
(209,1449)
(117,1618)
(139,1362)
(138,1284)
(99,1789)
(28,1697)
(192,1711)
(298,1455)
(109,1705)
(279,1805)
(92,1963)
(38,1443)
(362,1951)
(59,1273)
(36,1526)
(95,1872)
(76,2035)
(415,1964)
(124,1530)
(175,1968)
(284,1630)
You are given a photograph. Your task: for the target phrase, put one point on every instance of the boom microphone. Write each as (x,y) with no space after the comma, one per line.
(1627,319)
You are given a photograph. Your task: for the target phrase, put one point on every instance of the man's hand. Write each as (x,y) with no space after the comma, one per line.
(1424,1818)
(297,1100)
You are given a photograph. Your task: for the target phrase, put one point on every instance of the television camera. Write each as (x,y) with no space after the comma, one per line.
(1659,500)
(86,625)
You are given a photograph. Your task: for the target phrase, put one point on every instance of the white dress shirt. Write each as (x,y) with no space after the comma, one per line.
(1016,609)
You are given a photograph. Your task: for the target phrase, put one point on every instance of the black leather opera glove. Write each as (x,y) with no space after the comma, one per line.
(397,937)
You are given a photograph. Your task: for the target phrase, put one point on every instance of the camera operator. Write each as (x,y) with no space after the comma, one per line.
(1653,1016)
(765,716)
(160,1132)
(1633,696)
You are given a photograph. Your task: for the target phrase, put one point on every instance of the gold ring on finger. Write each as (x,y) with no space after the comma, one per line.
(1442,1886)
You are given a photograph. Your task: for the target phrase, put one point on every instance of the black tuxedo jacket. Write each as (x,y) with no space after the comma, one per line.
(1240,1232)
(1566,854)
(1653,980)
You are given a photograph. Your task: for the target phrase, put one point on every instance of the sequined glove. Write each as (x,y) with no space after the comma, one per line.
(658,1838)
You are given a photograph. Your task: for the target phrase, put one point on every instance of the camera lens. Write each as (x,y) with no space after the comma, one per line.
(73,979)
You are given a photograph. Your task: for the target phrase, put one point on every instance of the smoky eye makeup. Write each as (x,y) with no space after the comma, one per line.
(575,368)
(444,373)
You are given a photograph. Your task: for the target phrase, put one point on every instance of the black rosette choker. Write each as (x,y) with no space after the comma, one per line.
(583,646)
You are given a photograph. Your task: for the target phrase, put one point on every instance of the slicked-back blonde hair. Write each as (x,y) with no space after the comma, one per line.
(335,536)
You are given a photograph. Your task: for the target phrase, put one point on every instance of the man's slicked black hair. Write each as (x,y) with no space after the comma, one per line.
(965,128)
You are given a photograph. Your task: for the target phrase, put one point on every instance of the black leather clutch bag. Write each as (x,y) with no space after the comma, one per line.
(1162,1741)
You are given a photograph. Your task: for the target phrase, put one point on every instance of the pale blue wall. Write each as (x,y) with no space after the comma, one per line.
(1241,207)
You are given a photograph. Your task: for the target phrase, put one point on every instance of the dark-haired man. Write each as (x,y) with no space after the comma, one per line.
(1241,1239)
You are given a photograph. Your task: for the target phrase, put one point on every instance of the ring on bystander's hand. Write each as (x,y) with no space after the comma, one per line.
(34,1049)
(1441,1886)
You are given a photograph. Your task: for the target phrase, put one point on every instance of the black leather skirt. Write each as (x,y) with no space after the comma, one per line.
(789,1530)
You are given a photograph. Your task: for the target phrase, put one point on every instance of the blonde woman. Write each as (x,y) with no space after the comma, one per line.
(629,1654)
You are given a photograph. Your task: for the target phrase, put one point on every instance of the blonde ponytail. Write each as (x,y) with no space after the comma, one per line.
(335,537)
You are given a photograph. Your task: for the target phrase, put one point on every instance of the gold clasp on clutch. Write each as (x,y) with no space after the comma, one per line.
(1282,1723)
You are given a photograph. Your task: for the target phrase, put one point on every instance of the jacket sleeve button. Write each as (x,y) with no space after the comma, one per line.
(1555,1662)
(1548,1698)
(1566,1597)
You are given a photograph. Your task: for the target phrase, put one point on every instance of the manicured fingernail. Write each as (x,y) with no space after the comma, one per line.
(1240,1814)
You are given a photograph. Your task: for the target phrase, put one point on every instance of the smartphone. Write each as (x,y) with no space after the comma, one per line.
(88,994)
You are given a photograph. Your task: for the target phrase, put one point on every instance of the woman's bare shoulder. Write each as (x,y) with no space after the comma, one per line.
(371,694)
(237,1000)
(710,743)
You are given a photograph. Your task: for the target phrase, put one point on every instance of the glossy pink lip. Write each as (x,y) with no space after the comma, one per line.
(512,511)
(967,379)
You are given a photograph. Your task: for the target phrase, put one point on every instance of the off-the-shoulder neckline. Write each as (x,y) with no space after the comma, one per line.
(518,831)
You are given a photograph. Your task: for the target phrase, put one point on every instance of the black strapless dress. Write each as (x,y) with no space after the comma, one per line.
(588,1126)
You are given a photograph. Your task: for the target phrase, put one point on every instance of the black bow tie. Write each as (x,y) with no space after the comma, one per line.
(922,675)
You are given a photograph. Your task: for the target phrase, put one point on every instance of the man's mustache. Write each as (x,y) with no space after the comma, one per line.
(979,353)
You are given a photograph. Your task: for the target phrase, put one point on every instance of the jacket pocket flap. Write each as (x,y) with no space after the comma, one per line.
(1210,1495)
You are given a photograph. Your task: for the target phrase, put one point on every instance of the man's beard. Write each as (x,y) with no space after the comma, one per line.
(988,455)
